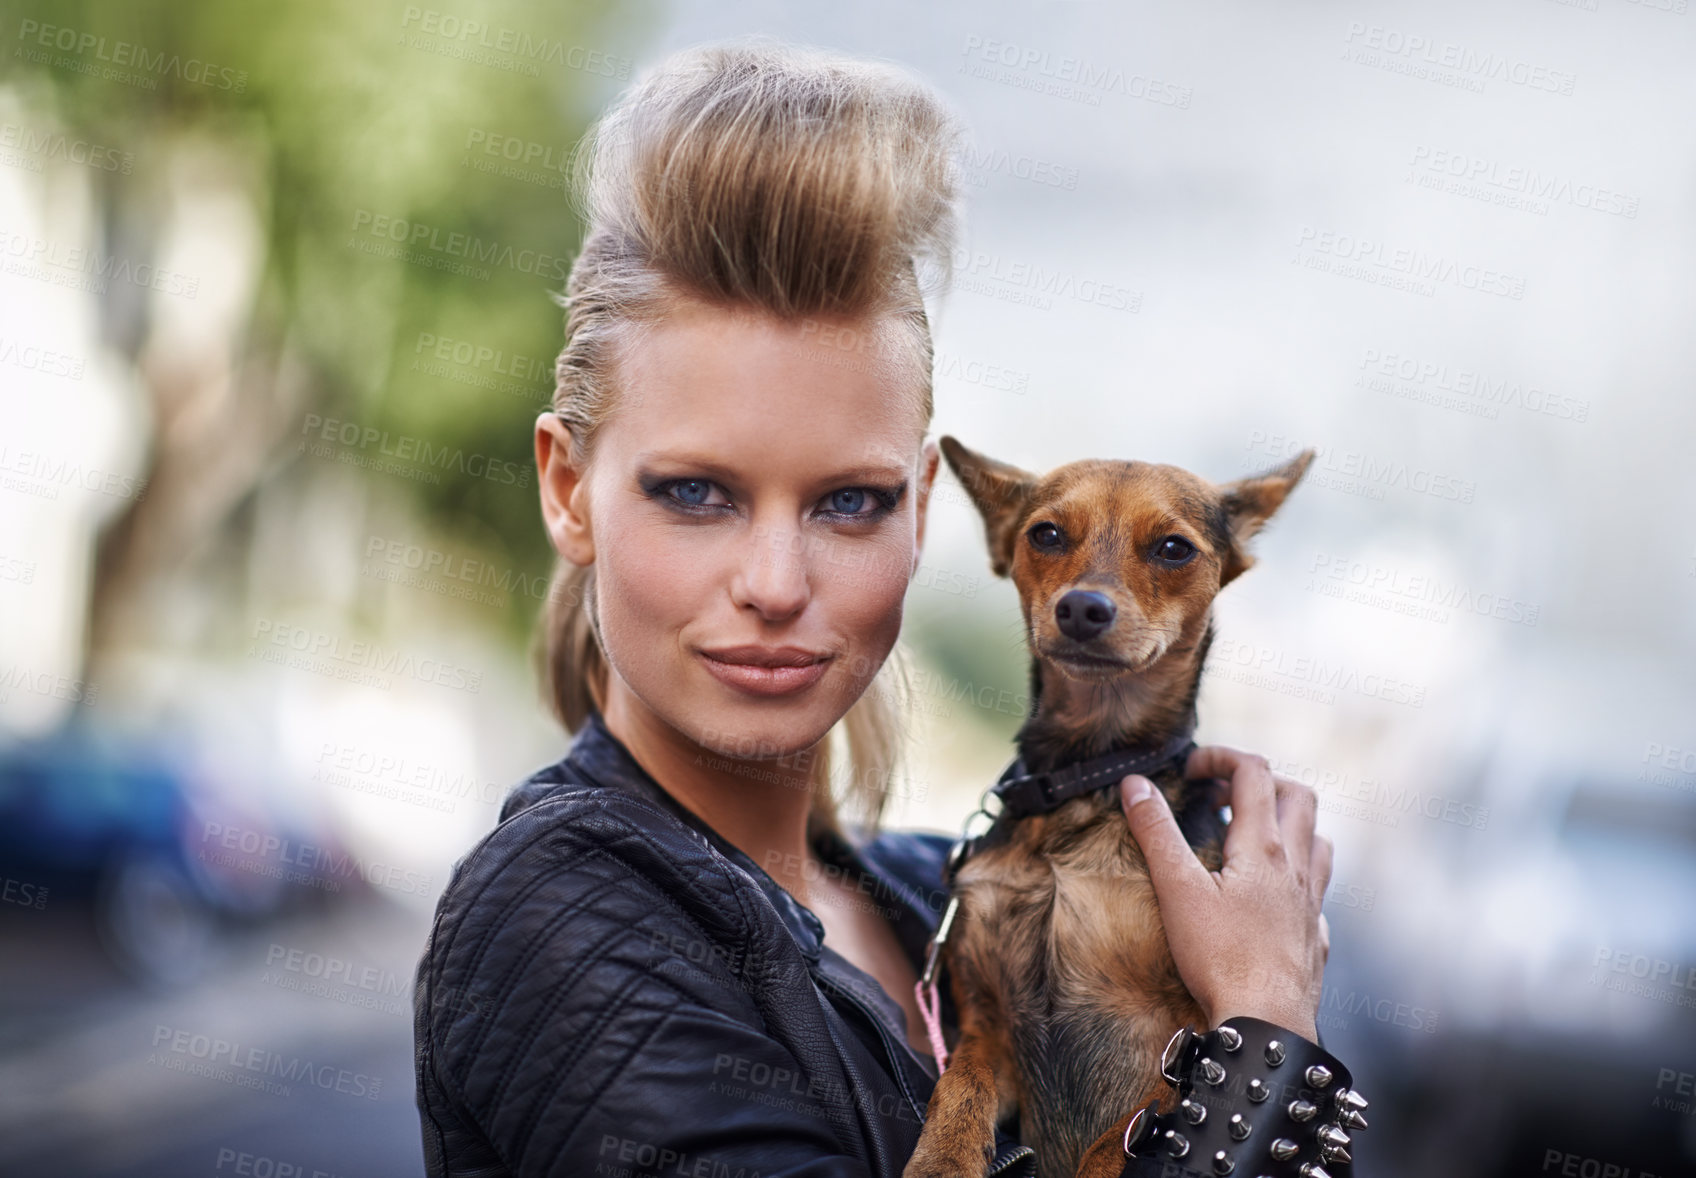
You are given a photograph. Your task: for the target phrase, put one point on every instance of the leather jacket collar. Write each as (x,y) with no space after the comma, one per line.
(597,755)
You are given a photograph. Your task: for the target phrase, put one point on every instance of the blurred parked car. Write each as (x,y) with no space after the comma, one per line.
(1553,949)
(159,854)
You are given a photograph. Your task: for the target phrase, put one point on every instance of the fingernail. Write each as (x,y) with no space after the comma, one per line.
(1137,788)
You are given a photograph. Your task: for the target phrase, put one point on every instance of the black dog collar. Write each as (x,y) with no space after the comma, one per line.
(1023,793)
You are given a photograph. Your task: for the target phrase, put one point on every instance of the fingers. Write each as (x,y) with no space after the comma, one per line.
(1254,812)
(1298,809)
(1319,868)
(1172,863)
(1324,938)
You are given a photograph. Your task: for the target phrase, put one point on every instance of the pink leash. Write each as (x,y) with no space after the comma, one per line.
(930,1005)
(931,1010)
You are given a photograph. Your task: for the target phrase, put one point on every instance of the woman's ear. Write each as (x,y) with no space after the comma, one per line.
(929,455)
(564,491)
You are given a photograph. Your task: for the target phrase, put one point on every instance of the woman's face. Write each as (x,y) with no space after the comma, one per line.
(754,508)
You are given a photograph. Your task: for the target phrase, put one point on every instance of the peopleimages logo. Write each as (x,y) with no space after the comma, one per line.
(248,1066)
(511,49)
(124,54)
(1512,185)
(83,268)
(1017,280)
(416,241)
(53,145)
(1064,76)
(47,474)
(1418,270)
(1306,676)
(1362,472)
(1378,582)
(358,661)
(262,853)
(353,437)
(1438,60)
(1423,379)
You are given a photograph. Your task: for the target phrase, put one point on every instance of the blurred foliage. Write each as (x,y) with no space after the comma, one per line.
(973,661)
(351,112)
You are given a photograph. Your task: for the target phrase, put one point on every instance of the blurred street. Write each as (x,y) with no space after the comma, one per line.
(103,1078)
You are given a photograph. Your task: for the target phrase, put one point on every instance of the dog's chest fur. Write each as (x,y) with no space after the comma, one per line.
(1061,921)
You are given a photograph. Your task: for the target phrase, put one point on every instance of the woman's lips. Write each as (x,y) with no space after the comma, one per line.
(766,670)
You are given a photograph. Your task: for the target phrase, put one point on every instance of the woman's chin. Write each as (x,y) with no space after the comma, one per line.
(768,730)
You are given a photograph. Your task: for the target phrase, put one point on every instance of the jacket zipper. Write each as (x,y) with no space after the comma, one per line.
(1019,1153)
(888,1047)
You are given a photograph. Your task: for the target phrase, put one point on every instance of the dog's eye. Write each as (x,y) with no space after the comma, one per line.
(1046,536)
(1174,550)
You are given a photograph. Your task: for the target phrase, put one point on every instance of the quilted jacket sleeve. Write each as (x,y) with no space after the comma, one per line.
(575,1017)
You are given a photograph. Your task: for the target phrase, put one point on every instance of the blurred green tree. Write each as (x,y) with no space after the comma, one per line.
(342,127)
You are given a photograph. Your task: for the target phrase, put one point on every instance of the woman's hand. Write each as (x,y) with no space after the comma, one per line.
(1248,939)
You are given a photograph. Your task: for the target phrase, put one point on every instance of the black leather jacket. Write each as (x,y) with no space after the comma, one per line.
(611,988)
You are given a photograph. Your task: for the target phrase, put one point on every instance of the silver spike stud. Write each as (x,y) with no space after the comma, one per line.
(1335,1154)
(1222,1163)
(1354,1100)
(1302,1110)
(1284,1149)
(1238,1128)
(1212,1071)
(1352,1119)
(1314,1170)
(1258,1091)
(1331,1135)
(1133,1131)
(1176,1143)
(1176,1046)
(1230,1038)
(1274,1053)
(1318,1075)
(1194,1111)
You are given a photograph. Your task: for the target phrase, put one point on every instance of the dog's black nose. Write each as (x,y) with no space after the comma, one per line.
(1083,614)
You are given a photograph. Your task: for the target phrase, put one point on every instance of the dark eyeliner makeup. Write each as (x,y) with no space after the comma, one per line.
(663,490)
(887,499)
(660,489)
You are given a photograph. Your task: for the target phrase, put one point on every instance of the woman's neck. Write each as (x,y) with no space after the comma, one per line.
(759,806)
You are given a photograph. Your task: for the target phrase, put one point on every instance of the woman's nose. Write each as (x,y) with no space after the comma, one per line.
(772,577)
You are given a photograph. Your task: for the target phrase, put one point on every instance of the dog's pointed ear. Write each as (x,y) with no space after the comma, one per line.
(1000,493)
(1249,503)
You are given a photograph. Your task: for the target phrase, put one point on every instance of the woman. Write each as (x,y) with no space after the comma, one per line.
(670,957)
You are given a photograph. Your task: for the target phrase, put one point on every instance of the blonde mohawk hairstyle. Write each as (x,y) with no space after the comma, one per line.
(765,177)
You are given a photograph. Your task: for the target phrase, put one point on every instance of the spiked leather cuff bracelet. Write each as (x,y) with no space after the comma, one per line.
(1253,1101)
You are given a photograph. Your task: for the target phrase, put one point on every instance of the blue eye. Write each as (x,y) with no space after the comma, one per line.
(691,491)
(705,498)
(862,503)
(695,496)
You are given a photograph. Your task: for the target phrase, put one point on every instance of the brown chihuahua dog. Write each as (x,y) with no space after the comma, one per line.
(1061,976)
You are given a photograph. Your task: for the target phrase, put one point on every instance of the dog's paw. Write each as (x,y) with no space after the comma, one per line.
(939,1163)
(939,1169)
